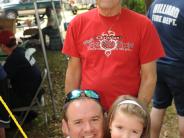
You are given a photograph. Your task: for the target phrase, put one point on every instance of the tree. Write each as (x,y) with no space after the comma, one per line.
(136,5)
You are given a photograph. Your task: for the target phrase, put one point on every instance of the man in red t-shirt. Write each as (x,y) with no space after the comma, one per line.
(112,50)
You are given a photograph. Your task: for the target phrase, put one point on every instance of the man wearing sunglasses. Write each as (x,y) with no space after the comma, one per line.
(112,50)
(82,115)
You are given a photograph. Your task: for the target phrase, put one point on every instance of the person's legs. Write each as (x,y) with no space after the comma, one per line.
(181,126)
(177,88)
(44,32)
(4,121)
(162,98)
(4,117)
(2,133)
(157,116)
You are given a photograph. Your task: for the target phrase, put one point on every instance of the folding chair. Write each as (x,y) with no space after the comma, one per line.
(36,104)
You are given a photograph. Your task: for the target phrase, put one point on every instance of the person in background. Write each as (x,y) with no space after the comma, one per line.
(128,118)
(83,115)
(51,30)
(168,18)
(4,117)
(112,50)
(21,69)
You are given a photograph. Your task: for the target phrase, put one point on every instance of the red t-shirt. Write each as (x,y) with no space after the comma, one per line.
(112,50)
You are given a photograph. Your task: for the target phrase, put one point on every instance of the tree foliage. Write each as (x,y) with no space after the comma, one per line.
(135,5)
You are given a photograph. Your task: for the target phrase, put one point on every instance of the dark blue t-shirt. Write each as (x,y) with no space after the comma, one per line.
(168,18)
(24,76)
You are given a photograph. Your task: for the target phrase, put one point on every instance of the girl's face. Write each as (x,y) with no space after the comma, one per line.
(126,126)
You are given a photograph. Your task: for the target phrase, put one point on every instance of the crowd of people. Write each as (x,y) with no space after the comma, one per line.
(115,51)
(118,61)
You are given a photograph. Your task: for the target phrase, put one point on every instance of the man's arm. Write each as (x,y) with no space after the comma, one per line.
(148,82)
(73,74)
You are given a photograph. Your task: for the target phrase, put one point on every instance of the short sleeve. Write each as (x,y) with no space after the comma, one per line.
(70,42)
(151,47)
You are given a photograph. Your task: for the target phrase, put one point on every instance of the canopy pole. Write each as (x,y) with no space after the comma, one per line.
(45,58)
(57,21)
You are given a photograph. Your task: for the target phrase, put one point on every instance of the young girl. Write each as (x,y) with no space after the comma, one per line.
(128,118)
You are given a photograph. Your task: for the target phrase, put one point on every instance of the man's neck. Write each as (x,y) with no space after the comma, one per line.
(109,12)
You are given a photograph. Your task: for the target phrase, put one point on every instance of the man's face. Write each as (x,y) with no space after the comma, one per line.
(108,4)
(85,119)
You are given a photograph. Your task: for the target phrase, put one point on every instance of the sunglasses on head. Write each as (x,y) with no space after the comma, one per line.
(75,94)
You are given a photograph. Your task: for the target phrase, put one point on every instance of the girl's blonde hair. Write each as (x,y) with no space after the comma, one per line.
(130,105)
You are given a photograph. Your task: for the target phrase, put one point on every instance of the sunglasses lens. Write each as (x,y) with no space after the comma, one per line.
(73,95)
(77,93)
(91,94)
